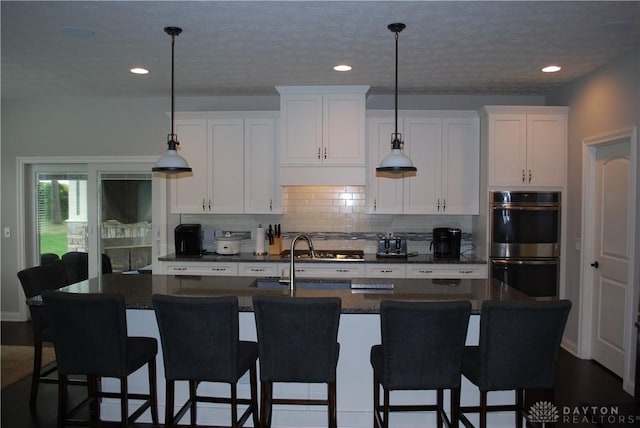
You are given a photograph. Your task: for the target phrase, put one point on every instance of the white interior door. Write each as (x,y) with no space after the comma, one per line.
(611,264)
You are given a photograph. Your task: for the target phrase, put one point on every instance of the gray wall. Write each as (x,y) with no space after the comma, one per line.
(601,102)
(85,126)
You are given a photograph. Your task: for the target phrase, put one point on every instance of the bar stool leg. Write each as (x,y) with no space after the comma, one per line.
(170,398)
(124,402)
(439,407)
(519,407)
(254,394)
(483,409)
(62,400)
(333,417)
(153,390)
(35,376)
(455,408)
(265,410)
(193,409)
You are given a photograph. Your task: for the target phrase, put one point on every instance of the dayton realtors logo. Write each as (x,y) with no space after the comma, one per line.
(544,412)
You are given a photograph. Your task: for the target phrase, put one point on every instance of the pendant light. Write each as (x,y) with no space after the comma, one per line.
(396,162)
(172,162)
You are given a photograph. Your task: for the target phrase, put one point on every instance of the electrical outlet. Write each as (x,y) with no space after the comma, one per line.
(7,232)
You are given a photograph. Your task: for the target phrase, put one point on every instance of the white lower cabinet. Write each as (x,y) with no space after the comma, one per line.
(376,270)
(329,270)
(200,268)
(324,270)
(445,271)
(258,269)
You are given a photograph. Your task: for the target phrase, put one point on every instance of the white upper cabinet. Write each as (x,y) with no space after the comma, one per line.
(261,195)
(233,160)
(189,190)
(322,127)
(225,170)
(444,147)
(526,146)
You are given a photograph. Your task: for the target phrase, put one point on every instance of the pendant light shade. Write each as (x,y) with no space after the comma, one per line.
(396,162)
(172,162)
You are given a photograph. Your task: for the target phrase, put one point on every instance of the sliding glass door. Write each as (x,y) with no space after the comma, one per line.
(59,221)
(125,216)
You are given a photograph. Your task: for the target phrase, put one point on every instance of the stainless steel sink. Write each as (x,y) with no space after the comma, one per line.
(307,283)
(327,255)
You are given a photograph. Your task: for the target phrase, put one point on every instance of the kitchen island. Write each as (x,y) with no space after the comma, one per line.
(359,330)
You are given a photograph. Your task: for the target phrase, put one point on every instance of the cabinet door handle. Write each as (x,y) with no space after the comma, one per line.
(444,204)
(325,152)
(438,204)
(202,204)
(523,176)
(209,204)
(465,271)
(258,269)
(424,271)
(270,204)
(319,153)
(375,205)
(529,176)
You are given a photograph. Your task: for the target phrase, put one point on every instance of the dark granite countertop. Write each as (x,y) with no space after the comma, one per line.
(138,290)
(368,258)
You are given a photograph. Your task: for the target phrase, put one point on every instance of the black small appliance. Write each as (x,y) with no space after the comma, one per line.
(446,243)
(188,239)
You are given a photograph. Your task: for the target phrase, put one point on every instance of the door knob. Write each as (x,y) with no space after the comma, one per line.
(595,264)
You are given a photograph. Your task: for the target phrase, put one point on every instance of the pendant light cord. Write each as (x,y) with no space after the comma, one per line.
(173,32)
(396,91)
(173,42)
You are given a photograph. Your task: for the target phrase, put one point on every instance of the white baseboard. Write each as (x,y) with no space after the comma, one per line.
(570,346)
(12,316)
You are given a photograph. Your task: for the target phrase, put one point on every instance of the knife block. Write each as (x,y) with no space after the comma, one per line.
(276,248)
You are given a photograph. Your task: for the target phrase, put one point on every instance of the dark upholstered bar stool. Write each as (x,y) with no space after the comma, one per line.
(518,349)
(35,280)
(200,343)
(297,342)
(77,265)
(90,337)
(422,345)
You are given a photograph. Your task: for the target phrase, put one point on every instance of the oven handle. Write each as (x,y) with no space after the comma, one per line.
(525,262)
(528,208)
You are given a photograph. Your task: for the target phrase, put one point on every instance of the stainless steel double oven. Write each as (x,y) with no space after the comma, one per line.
(525,240)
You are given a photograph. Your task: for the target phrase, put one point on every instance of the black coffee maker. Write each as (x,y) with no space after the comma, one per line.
(446,243)
(188,239)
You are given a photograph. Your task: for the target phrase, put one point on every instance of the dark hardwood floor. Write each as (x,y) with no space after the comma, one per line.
(581,386)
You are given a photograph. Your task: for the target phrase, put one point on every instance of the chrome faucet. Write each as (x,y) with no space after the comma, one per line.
(292,269)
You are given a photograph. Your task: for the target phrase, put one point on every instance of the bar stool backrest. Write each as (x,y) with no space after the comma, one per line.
(297,338)
(520,342)
(199,337)
(90,333)
(422,343)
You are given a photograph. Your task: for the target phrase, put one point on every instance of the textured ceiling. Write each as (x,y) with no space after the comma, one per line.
(242,47)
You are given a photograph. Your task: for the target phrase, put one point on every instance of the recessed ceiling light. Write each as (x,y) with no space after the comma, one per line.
(551,68)
(139,70)
(342,67)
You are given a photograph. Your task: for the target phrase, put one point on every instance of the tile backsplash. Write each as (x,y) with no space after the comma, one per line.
(329,209)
